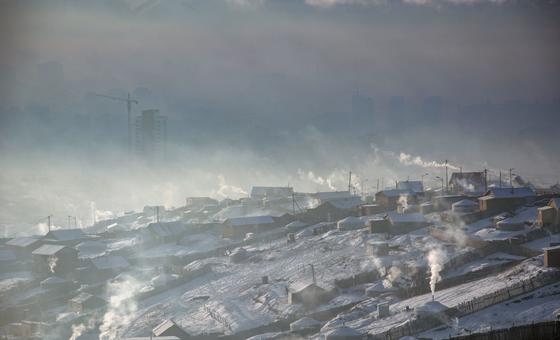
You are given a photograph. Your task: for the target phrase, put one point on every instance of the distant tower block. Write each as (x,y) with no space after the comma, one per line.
(151,135)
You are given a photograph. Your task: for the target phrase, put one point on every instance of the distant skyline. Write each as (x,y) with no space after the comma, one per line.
(267,92)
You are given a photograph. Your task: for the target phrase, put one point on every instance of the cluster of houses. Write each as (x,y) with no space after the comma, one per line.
(60,271)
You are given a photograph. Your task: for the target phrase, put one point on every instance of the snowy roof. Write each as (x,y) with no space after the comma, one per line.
(509,193)
(22,241)
(556,202)
(304,323)
(395,217)
(53,280)
(351,220)
(343,332)
(295,224)
(329,195)
(109,262)
(465,203)
(396,192)
(250,220)
(415,186)
(48,249)
(164,326)
(301,285)
(7,255)
(66,234)
(431,307)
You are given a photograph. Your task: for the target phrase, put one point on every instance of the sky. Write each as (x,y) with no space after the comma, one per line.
(268,92)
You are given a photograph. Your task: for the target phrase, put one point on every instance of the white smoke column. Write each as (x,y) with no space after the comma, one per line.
(436,260)
(77,330)
(407,159)
(52,263)
(226,190)
(122,308)
(403,201)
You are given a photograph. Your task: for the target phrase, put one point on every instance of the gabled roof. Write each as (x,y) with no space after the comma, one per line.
(509,193)
(465,203)
(48,249)
(109,262)
(66,234)
(23,242)
(250,220)
(301,285)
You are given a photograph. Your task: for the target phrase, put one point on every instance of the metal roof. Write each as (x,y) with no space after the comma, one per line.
(48,249)
(23,241)
(66,234)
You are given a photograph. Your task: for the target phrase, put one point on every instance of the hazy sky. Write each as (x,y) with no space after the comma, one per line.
(261,92)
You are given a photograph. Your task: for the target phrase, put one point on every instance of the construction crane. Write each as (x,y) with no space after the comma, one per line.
(129,103)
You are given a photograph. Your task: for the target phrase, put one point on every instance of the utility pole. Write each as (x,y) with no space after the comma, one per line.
(157,214)
(313,274)
(422,179)
(500,179)
(485,180)
(511,179)
(377,185)
(350,182)
(293,204)
(382,183)
(49,222)
(446,177)
(69,219)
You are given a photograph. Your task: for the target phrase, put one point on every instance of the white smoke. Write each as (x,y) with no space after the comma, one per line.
(408,159)
(52,263)
(227,190)
(436,260)
(403,201)
(122,308)
(77,330)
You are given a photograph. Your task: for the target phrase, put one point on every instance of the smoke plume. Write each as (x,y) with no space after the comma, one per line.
(408,159)
(436,260)
(121,310)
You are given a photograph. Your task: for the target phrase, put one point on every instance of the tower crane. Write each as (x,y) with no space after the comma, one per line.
(129,103)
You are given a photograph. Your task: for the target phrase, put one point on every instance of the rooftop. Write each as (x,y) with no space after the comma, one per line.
(250,220)
(48,249)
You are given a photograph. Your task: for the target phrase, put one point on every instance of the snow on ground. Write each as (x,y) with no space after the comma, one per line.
(8,281)
(450,297)
(237,300)
(536,306)
(488,261)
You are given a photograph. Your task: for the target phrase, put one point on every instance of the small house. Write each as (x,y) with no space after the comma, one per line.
(370,209)
(307,294)
(169,328)
(23,246)
(85,302)
(54,258)
(552,256)
(238,227)
(505,199)
(108,266)
(199,202)
(379,226)
(549,215)
(444,202)
(403,223)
